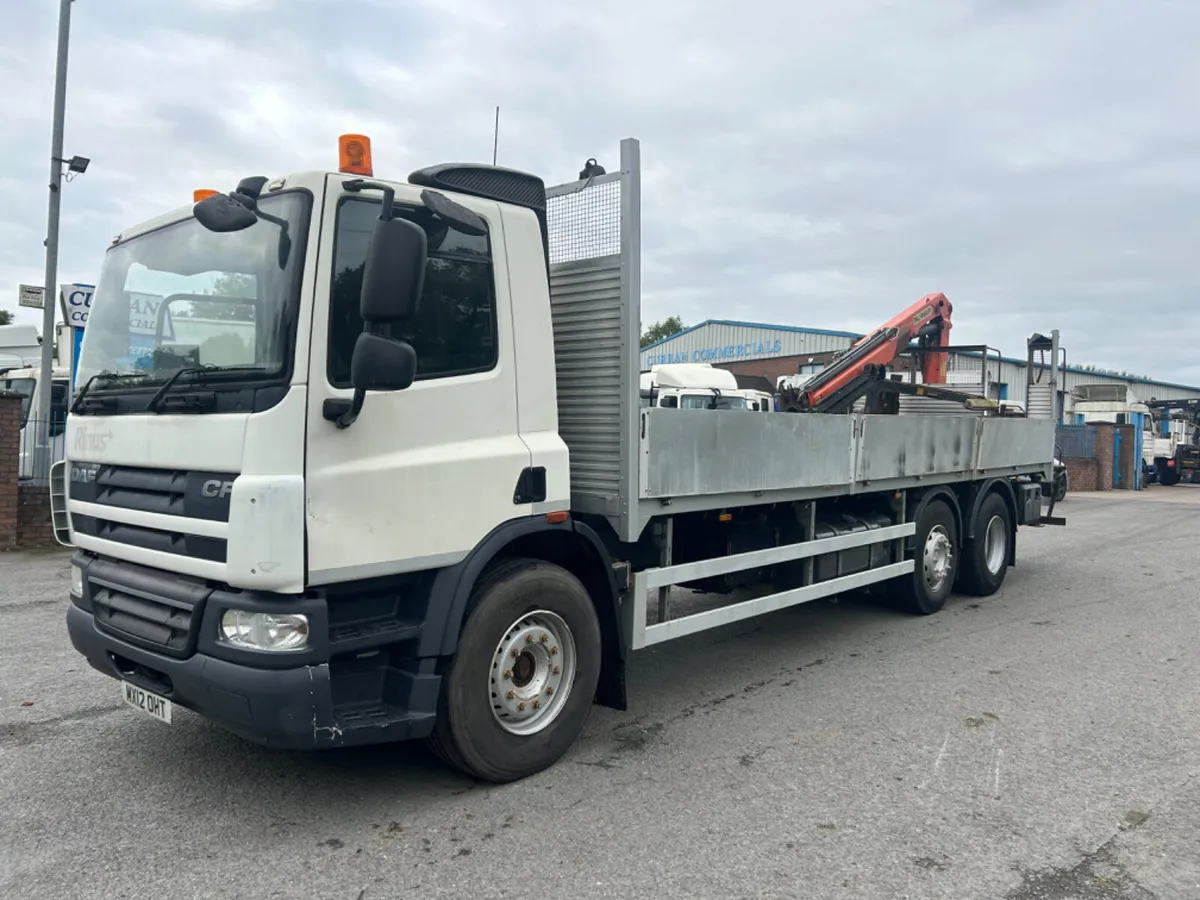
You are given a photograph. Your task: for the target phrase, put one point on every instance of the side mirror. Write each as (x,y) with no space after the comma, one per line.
(379,364)
(220,213)
(382,364)
(394,272)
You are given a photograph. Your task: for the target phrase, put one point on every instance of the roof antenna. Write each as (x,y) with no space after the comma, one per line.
(496,136)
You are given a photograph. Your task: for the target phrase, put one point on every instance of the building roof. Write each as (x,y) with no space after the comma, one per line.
(736,324)
(1099,373)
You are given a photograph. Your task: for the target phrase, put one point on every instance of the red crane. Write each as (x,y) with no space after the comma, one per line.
(927,321)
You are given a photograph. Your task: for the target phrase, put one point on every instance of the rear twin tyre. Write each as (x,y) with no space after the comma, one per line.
(520,686)
(978,565)
(985,558)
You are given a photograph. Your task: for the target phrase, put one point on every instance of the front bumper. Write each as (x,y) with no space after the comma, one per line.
(287,708)
(158,631)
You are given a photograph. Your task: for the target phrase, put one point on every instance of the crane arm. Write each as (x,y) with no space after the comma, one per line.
(927,321)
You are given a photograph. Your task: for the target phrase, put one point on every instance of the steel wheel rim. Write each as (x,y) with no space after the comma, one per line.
(532,670)
(937,557)
(995,544)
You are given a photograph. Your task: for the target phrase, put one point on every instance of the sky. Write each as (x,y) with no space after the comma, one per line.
(820,164)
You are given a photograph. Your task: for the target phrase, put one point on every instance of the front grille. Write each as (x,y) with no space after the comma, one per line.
(179,542)
(164,624)
(167,492)
(139,606)
(172,492)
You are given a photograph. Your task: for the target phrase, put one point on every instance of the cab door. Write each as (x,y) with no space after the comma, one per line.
(425,473)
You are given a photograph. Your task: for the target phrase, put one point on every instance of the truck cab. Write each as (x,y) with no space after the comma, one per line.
(692,386)
(25,381)
(256,539)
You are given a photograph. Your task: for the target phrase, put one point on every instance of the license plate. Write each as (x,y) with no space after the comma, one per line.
(151,704)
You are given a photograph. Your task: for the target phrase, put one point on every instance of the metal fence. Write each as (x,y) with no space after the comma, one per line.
(42,443)
(1075,441)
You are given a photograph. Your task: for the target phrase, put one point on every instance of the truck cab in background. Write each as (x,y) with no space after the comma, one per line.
(692,386)
(20,346)
(35,433)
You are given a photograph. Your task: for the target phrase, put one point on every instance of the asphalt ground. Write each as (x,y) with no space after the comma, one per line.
(1041,743)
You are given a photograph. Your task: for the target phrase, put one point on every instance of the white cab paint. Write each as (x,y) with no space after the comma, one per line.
(533,332)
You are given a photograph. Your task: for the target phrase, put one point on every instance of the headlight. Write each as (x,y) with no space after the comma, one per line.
(76,581)
(264,631)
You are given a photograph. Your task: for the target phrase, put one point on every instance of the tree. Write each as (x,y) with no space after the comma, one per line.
(230,285)
(5,317)
(659,330)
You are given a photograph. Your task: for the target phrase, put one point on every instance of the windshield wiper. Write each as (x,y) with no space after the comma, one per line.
(162,392)
(78,405)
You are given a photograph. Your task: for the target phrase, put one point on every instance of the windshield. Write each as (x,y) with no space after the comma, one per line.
(184,296)
(708,401)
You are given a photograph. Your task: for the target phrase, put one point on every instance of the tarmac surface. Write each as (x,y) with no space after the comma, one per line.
(1041,743)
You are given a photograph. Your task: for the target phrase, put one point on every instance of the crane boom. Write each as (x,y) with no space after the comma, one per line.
(927,321)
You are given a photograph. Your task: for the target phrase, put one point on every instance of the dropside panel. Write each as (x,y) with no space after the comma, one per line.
(904,446)
(697,452)
(1016,442)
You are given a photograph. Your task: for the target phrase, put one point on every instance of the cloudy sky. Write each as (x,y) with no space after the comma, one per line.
(823,163)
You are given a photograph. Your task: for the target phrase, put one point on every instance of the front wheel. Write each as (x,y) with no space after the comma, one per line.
(926,589)
(520,685)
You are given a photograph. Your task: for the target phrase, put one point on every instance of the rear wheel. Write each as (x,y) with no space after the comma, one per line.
(926,590)
(985,557)
(1060,487)
(520,685)
(1168,476)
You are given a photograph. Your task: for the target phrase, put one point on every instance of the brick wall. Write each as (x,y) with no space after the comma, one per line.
(35,526)
(1081,473)
(10,462)
(771,369)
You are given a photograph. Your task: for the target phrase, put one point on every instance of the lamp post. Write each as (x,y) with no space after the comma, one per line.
(42,441)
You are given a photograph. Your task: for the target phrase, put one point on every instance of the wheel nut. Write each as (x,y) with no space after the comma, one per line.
(516,653)
(510,695)
(520,707)
(557,670)
(554,651)
(544,638)
(508,673)
(537,704)
(549,691)
(529,638)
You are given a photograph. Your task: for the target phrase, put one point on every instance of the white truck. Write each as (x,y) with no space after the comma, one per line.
(433,506)
(692,386)
(22,377)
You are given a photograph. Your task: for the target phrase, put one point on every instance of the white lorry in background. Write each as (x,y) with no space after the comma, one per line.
(24,380)
(1173,433)
(690,386)
(432,504)
(20,346)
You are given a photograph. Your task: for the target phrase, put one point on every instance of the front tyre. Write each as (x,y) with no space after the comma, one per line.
(935,543)
(520,685)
